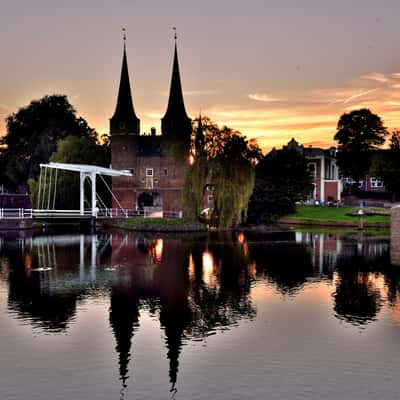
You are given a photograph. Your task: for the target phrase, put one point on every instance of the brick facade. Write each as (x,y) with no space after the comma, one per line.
(156,184)
(325,173)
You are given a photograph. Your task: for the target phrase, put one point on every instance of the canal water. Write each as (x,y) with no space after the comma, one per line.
(290,315)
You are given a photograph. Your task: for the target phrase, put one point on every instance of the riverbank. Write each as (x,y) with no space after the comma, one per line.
(154,224)
(344,216)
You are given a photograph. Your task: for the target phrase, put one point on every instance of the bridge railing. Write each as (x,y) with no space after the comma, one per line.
(113,213)
(43,213)
(146,213)
(16,213)
(28,213)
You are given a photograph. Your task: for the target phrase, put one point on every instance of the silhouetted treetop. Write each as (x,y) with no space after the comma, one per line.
(33,132)
(358,133)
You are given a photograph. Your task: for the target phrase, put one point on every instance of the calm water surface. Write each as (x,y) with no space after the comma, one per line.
(292,315)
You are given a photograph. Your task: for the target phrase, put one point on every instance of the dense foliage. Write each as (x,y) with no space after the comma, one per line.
(32,136)
(358,133)
(76,150)
(388,167)
(223,165)
(282,179)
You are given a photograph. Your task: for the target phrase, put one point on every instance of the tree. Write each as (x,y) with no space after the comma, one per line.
(387,168)
(224,163)
(282,179)
(358,133)
(32,136)
(76,150)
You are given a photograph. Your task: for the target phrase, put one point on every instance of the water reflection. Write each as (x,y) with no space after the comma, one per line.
(196,286)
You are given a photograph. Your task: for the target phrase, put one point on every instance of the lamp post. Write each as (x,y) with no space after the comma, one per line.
(360,219)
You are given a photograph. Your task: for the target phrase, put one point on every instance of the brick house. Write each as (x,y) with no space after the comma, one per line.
(325,173)
(156,184)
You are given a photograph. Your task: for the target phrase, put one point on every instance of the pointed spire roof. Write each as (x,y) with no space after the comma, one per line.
(176,105)
(200,125)
(199,139)
(124,320)
(124,109)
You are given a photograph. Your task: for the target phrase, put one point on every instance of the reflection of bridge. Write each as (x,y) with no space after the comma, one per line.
(90,250)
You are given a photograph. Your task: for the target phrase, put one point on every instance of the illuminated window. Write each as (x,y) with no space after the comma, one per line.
(350,182)
(149,172)
(376,183)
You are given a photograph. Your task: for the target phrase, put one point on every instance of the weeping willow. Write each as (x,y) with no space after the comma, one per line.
(193,188)
(223,162)
(232,182)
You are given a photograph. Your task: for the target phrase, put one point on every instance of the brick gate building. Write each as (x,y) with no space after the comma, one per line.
(157,162)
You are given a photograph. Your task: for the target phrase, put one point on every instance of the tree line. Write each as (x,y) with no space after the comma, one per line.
(245,185)
(46,130)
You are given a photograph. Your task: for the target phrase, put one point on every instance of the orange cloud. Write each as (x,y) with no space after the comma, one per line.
(309,115)
(375,76)
(263,97)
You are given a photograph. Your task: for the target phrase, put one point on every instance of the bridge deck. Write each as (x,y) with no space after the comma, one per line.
(35,214)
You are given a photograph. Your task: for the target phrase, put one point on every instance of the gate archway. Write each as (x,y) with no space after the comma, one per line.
(150,202)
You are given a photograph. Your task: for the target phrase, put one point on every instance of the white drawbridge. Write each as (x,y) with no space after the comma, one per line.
(47,191)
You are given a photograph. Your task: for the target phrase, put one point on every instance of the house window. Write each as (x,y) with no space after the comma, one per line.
(313,169)
(165,171)
(350,182)
(149,172)
(376,183)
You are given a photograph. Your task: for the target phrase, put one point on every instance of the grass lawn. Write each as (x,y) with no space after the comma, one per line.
(332,214)
(157,224)
(156,221)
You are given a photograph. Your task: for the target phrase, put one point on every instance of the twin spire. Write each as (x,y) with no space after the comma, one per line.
(125,121)
(176,104)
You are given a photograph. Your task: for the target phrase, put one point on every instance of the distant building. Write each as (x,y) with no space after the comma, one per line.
(329,187)
(156,162)
(322,162)
(12,201)
(372,190)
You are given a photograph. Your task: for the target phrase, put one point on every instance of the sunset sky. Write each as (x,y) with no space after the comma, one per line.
(271,69)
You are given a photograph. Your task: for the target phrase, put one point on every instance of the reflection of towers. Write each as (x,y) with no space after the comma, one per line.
(141,280)
(201,287)
(175,314)
(124,319)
